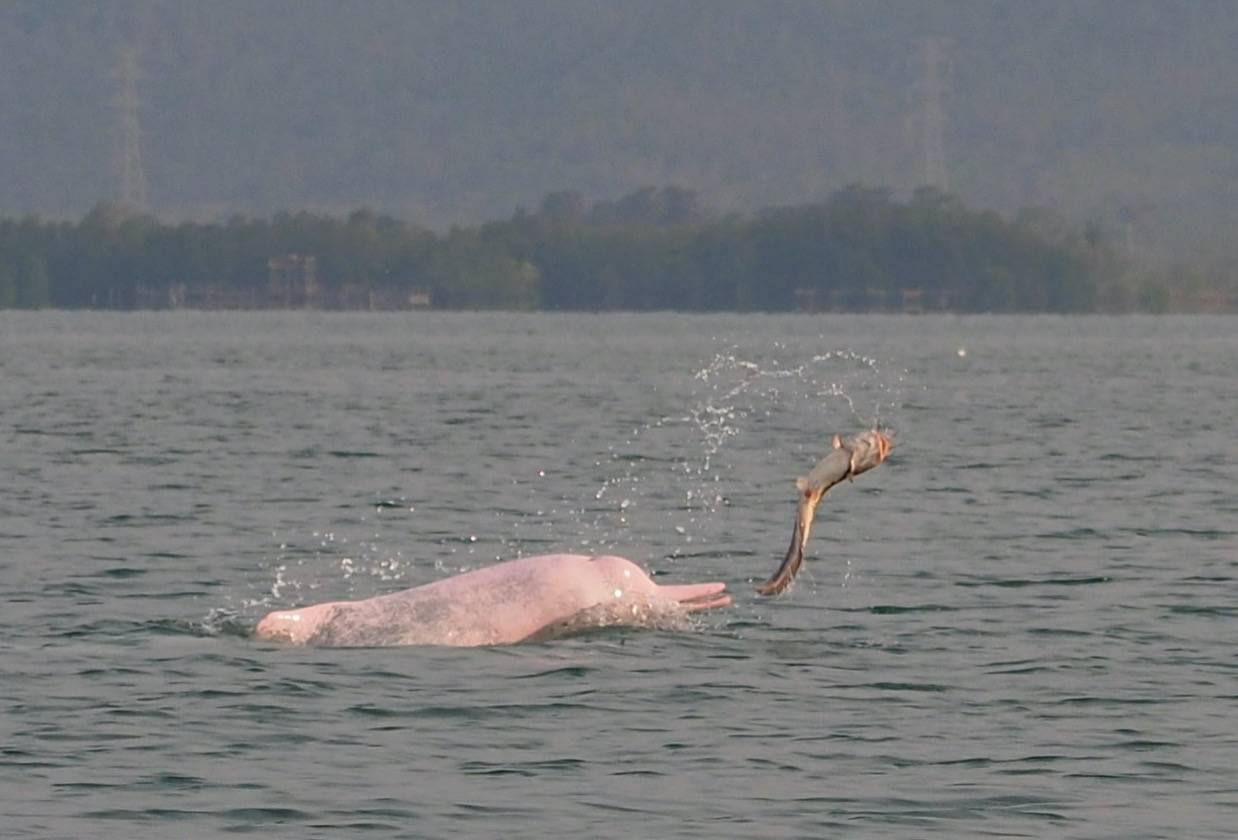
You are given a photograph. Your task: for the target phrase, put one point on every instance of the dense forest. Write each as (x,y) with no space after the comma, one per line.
(861,250)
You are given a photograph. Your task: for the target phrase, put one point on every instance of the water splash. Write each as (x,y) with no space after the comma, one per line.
(740,406)
(735,387)
(662,487)
(220,621)
(786,410)
(330,559)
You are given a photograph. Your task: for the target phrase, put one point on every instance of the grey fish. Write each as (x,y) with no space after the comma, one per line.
(846,460)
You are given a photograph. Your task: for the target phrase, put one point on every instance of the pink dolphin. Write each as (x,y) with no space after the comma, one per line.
(528,599)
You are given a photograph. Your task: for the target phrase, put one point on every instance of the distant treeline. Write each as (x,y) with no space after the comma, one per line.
(861,250)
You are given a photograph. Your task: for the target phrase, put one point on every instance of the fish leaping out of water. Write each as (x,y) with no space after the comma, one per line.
(846,460)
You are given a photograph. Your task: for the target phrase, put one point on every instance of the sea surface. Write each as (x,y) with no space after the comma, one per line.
(1022,625)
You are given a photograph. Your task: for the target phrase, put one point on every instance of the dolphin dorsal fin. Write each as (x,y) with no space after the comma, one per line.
(837,442)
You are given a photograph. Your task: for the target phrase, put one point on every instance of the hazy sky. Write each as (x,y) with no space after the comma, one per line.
(1118,110)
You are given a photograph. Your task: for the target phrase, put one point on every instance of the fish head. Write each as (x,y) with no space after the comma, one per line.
(868,450)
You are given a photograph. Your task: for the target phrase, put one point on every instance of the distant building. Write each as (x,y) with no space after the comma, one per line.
(359,295)
(292,281)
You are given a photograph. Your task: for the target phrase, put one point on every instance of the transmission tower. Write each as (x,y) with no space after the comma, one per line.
(131,180)
(931,116)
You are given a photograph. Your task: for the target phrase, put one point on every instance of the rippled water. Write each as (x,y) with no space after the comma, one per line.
(1021,625)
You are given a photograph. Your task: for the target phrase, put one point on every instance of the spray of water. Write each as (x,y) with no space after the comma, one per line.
(364,565)
(665,482)
(741,408)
